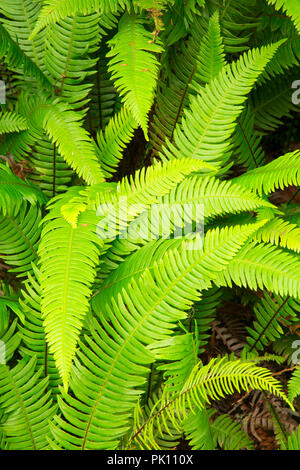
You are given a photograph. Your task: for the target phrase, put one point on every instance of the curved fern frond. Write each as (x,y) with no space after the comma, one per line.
(282,172)
(201,135)
(294,384)
(206,432)
(142,314)
(68,258)
(19,238)
(113,140)
(18,18)
(14,191)
(271,313)
(134,67)
(291,7)
(12,122)
(27,406)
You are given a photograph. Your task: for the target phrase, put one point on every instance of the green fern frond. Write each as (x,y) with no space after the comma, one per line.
(201,135)
(12,122)
(113,140)
(294,384)
(18,18)
(27,406)
(150,306)
(211,57)
(32,331)
(271,313)
(205,432)
(134,67)
(14,191)
(220,377)
(264,266)
(19,238)
(68,258)
(70,67)
(63,127)
(291,7)
(282,172)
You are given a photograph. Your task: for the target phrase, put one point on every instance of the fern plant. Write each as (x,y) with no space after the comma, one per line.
(137,200)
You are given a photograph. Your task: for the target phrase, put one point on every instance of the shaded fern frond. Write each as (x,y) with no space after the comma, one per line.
(26,405)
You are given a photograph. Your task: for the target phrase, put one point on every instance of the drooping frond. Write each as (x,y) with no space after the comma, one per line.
(134,67)
(207,432)
(64,128)
(26,405)
(201,135)
(220,377)
(282,172)
(12,122)
(271,313)
(68,257)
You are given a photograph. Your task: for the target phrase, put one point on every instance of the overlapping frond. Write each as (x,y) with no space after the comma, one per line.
(271,313)
(291,7)
(113,140)
(12,122)
(33,333)
(220,377)
(64,128)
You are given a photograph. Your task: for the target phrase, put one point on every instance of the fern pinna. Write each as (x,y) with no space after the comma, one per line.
(141,207)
